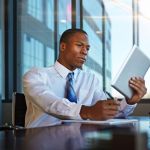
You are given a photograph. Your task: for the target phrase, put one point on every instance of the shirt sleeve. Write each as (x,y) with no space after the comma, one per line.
(38,93)
(98,92)
(125,109)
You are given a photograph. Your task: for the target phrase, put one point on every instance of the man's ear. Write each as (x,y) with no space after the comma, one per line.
(62,46)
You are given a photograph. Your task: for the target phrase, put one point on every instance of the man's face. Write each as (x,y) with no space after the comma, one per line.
(74,52)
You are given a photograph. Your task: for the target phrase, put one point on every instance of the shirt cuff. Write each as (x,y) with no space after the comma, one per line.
(67,110)
(125,109)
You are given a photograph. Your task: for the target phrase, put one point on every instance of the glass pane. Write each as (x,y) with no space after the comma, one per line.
(107,64)
(1,51)
(50,14)
(92,24)
(64,16)
(119,35)
(35,9)
(144,34)
(35,34)
(49,56)
(32,52)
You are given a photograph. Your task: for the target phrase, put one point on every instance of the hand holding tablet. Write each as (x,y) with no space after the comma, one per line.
(135,65)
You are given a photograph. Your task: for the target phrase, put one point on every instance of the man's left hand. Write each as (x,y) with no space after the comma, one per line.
(139,89)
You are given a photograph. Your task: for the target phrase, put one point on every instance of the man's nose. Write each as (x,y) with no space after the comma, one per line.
(84,50)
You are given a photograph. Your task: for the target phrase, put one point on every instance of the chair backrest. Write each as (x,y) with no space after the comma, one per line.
(18,109)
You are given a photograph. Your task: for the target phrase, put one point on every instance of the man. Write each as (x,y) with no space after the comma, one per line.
(46,88)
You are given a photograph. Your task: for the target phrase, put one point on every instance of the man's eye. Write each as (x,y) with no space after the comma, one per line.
(79,44)
(87,48)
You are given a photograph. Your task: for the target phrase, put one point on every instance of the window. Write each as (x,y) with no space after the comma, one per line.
(120,38)
(127,30)
(92,24)
(144,35)
(35,9)
(32,53)
(64,15)
(35,35)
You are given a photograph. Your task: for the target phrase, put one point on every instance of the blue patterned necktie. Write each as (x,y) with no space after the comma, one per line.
(70,93)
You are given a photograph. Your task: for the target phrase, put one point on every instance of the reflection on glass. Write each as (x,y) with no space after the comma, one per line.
(61,137)
(98,140)
(145,127)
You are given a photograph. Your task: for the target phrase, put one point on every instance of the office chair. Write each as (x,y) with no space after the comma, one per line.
(18,109)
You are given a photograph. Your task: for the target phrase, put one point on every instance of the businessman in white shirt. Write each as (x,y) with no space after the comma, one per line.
(46,94)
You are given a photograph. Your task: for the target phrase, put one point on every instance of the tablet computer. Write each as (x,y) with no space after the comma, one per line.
(136,64)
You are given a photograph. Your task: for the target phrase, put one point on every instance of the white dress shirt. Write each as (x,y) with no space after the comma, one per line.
(44,89)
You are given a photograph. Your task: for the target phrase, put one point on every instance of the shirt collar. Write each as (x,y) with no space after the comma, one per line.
(63,71)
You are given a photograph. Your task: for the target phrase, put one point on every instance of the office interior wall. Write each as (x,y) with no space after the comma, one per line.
(142,109)
(7,113)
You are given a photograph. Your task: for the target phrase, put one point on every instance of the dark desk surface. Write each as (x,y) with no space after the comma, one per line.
(76,136)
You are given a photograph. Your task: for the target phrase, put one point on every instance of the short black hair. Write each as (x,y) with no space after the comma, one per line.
(68,33)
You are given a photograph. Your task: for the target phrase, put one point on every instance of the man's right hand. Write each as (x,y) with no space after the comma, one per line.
(101,110)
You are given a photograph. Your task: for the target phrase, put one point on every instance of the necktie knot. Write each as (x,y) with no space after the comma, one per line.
(70,76)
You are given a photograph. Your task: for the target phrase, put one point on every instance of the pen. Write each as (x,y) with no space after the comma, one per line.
(108,95)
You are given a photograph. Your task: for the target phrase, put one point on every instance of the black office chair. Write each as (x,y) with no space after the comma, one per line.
(18,109)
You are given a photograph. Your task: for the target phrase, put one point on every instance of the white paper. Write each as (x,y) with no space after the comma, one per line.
(107,122)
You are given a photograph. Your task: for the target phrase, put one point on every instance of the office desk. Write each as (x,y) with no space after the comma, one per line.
(77,136)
